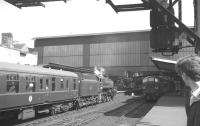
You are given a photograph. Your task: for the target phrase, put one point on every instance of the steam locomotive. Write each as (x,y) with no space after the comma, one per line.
(108,90)
(26,91)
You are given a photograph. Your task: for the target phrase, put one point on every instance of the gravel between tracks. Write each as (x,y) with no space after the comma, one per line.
(123,111)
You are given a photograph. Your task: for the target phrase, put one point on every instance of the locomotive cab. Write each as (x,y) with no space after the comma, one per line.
(151,88)
(155,86)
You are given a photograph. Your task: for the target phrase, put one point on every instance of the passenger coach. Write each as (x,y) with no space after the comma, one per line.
(26,90)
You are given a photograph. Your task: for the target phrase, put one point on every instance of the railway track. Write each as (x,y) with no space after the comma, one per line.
(48,119)
(78,121)
(123,110)
(92,115)
(120,114)
(66,119)
(140,111)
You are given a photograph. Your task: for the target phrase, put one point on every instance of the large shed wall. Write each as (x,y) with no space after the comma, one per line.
(66,54)
(132,53)
(117,52)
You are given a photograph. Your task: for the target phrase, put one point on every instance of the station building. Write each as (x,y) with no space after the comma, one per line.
(119,53)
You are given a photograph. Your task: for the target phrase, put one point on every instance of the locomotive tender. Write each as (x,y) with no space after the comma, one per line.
(29,90)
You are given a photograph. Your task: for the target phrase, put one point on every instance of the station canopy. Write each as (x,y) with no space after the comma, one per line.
(164,64)
(28,3)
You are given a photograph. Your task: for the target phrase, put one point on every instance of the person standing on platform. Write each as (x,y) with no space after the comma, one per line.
(189,69)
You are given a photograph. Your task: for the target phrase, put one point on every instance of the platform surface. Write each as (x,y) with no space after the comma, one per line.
(168,111)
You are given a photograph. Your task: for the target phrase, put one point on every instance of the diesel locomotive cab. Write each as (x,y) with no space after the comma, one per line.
(151,88)
(155,86)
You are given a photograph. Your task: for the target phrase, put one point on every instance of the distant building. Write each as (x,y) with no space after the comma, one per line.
(18,56)
(7,39)
(15,52)
(21,47)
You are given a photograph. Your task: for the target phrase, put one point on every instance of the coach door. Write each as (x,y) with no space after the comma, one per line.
(44,88)
(75,87)
(41,89)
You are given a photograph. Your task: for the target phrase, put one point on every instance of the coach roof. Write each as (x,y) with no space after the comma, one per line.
(34,69)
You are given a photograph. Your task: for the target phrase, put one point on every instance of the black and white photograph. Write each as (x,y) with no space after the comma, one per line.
(99,62)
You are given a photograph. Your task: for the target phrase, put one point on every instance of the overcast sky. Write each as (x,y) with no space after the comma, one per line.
(75,17)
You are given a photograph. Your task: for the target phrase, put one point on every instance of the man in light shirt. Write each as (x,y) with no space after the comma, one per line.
(189,69)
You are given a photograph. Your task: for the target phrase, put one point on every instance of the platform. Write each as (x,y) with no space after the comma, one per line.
(168,111)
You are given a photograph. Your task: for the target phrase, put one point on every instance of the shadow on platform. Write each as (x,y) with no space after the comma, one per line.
(129,109)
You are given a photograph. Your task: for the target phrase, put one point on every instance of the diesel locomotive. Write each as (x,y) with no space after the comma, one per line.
(26,91)
(153,87)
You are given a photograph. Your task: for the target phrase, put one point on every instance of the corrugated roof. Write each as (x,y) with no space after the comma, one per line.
(89,34)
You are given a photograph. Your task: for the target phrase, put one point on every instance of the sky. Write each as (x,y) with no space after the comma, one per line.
(75,17)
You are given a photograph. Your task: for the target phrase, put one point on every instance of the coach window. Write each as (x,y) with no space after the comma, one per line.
(53,83)
(12,83)
(41,83)
(47,84)
(74,80)
(67,85)
(30,84)
(61,83)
